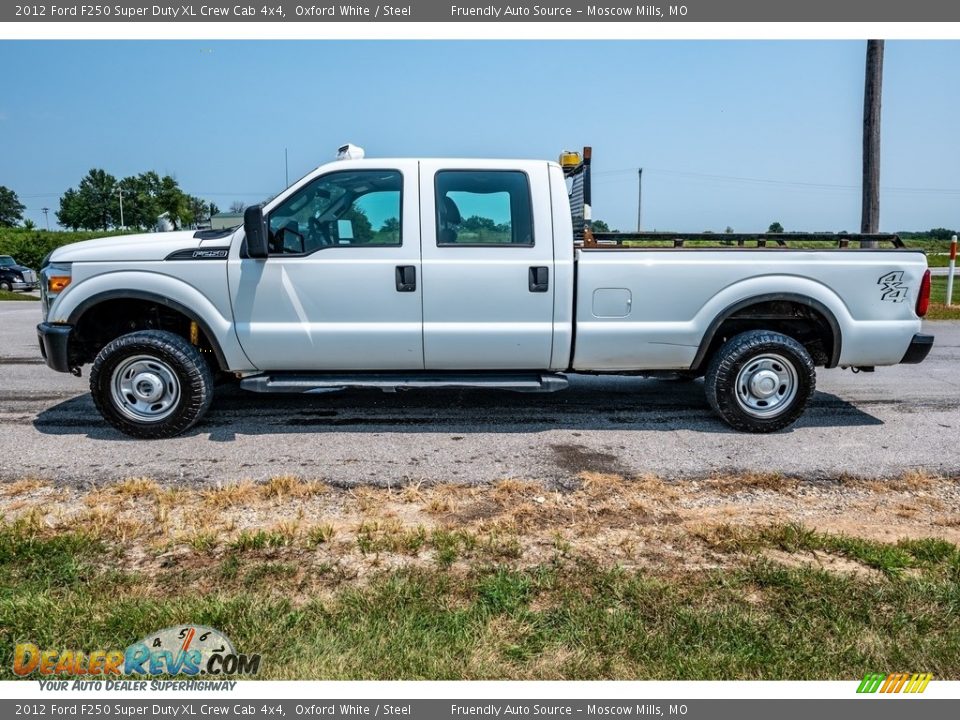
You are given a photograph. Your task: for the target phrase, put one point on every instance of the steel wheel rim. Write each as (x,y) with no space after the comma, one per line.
(766,385)
(145,389)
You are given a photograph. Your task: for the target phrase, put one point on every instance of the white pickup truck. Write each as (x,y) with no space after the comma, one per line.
(408,273)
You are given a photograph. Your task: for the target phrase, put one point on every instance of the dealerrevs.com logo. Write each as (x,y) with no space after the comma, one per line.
(191,650)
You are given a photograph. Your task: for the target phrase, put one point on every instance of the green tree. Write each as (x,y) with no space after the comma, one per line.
(94,205)
(476,223)
(69,213)
(200,209)
(599,226)
(175,203)
(942,233)
(362,227)
(11,209)
(141,205)
(775,227)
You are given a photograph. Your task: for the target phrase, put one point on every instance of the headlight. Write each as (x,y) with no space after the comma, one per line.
(54,279)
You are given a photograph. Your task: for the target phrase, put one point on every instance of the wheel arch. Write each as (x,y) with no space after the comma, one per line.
(98,299)
(731,311)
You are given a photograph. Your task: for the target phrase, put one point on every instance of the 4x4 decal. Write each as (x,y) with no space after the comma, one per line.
(892,288)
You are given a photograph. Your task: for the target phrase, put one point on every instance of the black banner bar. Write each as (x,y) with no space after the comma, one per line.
(479,11)
(227,708)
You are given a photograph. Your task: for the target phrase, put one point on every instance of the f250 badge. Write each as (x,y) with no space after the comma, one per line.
(210,254)
(892,287)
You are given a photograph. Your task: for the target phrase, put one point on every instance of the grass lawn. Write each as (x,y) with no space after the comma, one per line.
(938,297)
(4,295)
(468,600)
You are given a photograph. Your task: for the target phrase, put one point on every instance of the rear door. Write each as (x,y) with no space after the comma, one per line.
(488,265)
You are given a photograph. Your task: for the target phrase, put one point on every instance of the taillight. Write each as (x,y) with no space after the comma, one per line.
(923,299)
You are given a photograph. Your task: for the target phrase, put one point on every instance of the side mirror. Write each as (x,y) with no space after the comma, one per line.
(255,228)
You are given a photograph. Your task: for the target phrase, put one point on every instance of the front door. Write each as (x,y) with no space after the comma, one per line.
(488,274)
(341,289)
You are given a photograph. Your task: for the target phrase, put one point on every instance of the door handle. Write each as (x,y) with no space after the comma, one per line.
(539,279)
(406,278)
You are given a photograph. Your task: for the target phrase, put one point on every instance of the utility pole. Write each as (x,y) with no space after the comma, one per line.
(120,190)
(870,210)
(46,216)
(286,168)
(639,197)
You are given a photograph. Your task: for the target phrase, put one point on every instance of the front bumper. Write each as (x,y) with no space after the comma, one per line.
(55,345)
(24,285)
(918,349)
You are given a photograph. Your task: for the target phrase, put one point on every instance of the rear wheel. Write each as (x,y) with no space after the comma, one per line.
(151,384)
(760,381)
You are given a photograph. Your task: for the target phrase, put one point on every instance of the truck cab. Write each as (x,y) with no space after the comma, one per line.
(409,265)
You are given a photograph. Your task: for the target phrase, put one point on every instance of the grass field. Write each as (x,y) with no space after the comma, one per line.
(938,297)
(511,581)
(4,295)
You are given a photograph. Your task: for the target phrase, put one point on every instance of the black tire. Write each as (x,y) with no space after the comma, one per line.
(161,360)
(769,359)
(5,286)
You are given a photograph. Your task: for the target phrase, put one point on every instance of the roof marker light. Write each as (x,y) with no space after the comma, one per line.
(350,152)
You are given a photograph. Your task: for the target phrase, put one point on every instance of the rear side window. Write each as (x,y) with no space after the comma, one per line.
(483,207)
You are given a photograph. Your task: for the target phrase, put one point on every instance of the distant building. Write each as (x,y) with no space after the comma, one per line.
(221,221)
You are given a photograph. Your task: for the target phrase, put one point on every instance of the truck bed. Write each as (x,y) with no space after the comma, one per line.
(659,305)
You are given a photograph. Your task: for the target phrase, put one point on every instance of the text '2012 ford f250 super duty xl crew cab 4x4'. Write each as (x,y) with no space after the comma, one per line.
(406,273)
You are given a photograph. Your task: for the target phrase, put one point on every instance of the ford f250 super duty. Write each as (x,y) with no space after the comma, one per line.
(397,274)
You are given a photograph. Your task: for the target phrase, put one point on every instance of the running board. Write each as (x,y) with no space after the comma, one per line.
(388,382)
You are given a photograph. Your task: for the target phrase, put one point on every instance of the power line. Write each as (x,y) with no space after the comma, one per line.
(771,181)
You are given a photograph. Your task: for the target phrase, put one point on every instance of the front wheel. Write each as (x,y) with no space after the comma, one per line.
(760,381)
(5,286)
(151,384)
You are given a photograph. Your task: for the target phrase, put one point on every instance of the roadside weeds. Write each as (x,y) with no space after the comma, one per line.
(747,576)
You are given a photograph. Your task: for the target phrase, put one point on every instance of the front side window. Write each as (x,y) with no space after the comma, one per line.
(483,207)
(351,208)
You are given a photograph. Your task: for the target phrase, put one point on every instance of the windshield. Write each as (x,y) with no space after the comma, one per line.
(6,261)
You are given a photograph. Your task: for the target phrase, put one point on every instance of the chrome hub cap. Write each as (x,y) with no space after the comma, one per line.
(145,389)
(766,385)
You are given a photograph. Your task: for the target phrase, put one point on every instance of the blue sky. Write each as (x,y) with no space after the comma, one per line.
(728,133)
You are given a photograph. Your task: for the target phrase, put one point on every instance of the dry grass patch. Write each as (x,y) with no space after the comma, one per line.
(231,495)
(22,487)
(642,522)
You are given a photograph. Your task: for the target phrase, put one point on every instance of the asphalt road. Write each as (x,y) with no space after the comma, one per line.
(878,424)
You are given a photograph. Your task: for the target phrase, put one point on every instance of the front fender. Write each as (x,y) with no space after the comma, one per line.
(79,297)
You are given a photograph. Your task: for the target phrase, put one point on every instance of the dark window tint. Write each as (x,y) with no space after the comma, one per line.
(483,207)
